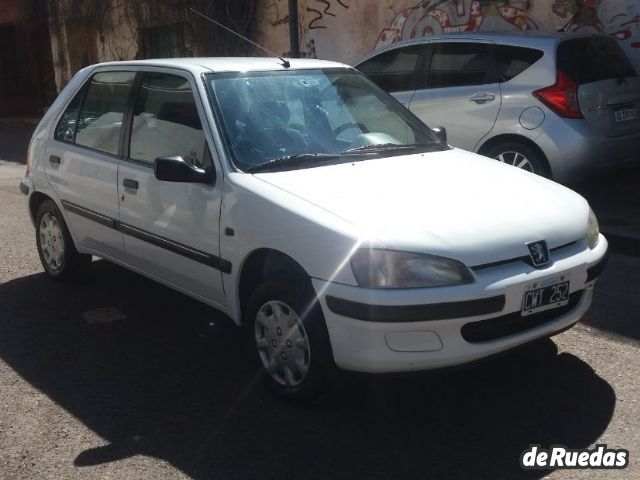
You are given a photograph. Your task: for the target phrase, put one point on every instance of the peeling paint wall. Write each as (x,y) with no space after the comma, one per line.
(85,32)
(345,30)
(77,40)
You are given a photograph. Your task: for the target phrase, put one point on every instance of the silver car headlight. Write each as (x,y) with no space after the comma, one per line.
(374,268)
(593,230)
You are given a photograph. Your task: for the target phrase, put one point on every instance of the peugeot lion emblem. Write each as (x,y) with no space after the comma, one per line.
(539,253)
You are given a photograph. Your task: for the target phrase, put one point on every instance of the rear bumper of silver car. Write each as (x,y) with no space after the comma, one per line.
(576,151)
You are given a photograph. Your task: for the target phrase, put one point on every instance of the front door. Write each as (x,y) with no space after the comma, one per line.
(171,230)
(459,91)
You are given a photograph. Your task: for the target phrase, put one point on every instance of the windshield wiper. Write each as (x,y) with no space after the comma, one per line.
(387,147)
(291,161)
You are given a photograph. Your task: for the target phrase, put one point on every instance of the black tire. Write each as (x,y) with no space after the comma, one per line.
(300,297)
(73,265)
(508,149)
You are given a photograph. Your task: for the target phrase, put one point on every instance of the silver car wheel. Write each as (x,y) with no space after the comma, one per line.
(516,159)
(282,342)
(51,241)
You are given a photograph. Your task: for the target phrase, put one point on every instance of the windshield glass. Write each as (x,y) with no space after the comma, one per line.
(279,118)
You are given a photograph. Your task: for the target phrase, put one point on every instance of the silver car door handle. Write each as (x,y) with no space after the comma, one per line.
(129,183)
(482,97)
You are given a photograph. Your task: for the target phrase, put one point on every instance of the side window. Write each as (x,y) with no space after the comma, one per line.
(394,71)
(166,122)
(66,129)
(459,64)
(512,61)
(100,119)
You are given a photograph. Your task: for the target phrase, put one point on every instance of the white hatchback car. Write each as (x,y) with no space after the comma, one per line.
(307,204)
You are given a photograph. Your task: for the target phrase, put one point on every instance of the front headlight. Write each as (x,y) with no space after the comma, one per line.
(593,230)
(392,269)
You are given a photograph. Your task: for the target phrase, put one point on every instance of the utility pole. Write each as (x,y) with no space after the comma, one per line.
(294,40)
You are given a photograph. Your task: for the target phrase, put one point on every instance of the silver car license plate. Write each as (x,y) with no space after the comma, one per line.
(626,115)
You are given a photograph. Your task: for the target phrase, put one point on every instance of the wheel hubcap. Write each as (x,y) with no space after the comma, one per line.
(515,159)
(282,342)
(51,241)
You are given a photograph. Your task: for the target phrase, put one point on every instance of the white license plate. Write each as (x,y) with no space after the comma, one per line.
(545,295)
(626,114)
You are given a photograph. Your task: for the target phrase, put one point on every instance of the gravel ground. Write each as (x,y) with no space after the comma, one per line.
(166,389)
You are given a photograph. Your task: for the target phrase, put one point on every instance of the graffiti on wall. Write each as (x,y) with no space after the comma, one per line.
(619,18)
(320,9)
(433,17)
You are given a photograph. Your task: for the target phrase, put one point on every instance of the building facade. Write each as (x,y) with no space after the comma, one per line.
(344,30)
(53,39)
(44,42)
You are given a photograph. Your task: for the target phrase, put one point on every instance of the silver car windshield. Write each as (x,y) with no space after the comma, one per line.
(305,118)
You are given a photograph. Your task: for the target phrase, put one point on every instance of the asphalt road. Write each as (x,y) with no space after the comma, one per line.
(167,389)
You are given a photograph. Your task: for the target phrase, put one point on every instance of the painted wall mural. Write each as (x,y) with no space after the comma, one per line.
(619,18)
(344,30)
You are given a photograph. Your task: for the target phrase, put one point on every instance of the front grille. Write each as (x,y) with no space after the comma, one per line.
(513,323)
(526,259)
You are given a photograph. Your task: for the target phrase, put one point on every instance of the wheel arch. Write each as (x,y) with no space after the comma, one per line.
(35,200)
(262,264)
(515,138)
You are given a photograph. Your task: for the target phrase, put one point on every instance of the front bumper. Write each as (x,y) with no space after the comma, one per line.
(26,185)
(422,329)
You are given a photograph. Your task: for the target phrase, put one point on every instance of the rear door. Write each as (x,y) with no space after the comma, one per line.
(459,90)
(608,86)
(171,230)
(82,160)
(395,71)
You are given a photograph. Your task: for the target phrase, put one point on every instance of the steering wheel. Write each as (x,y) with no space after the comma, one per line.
(348,125)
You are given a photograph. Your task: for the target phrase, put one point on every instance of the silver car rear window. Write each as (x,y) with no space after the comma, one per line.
(592,59)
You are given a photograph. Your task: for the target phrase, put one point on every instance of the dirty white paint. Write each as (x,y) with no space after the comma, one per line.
(344,30)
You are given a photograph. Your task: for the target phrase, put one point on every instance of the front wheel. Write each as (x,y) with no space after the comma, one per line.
(288,331)
(57,252)
(519,155)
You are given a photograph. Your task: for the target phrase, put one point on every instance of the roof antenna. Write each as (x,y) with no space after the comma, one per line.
(285,63)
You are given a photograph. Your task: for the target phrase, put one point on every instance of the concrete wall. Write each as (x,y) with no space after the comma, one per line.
(344,30)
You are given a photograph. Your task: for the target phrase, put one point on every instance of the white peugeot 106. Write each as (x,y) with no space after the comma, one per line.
(307,204)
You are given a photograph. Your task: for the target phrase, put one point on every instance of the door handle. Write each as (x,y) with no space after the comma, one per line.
(482,97)
(54,160)
(129,183)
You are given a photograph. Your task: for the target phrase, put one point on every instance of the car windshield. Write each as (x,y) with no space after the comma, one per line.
(302,118)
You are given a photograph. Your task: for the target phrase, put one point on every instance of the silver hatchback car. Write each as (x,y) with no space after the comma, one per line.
(560,105)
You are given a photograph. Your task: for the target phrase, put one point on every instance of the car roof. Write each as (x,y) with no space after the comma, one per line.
(229,64)
(525,38)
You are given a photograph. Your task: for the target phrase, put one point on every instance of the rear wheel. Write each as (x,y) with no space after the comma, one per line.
(288,331)
(57,252)
(519,155)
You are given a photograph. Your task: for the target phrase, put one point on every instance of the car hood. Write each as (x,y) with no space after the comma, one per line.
(453,203)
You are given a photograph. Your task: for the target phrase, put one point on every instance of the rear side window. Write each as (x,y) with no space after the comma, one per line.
(592,59)
(512,61)
(458,64)
(166,122)
(394,71)
(100,120)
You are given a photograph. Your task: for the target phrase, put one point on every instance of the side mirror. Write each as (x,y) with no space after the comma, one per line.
(175,169)
(441,132)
